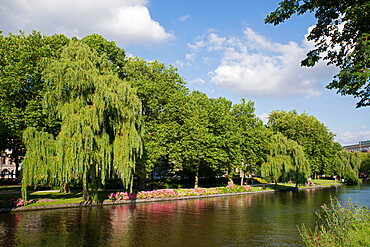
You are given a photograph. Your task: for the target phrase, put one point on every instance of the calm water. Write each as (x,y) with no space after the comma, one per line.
(251,220)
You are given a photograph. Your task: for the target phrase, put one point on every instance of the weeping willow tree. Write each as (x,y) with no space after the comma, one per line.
(278,160)
(286,161)
(300,167)
(347,165)
(100,125)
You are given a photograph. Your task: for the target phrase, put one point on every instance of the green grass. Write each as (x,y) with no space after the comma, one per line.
(287,186)
(321,182)
(57,198)
(57,202)
(10,188)
(61,198)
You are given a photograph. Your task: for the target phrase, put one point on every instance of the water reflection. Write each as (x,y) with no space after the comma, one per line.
(251,220)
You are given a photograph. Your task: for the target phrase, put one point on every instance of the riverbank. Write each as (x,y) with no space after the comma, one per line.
(52,204)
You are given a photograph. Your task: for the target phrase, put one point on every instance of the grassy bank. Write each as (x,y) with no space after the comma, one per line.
(54,197)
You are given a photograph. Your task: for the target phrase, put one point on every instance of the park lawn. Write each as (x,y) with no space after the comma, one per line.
(45,198)
(317,182)
(57,202)
(11,188)
(323,182)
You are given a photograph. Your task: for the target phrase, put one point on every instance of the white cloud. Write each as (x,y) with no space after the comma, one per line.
(215,43)
(197,80)
(190,56)
(180,63)
(264,117)
(363,127)
(210,91)
(347,137)
(255,66)
(184,17)
(126,21)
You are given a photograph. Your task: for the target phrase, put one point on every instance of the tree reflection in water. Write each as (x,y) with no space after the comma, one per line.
(250,220)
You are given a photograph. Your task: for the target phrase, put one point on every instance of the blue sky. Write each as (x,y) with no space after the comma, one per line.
(222,48)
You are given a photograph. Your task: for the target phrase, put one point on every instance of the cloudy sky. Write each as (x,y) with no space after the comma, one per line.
(222,48)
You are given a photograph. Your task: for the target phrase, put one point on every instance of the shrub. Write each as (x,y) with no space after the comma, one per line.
(339,226)
(11,202)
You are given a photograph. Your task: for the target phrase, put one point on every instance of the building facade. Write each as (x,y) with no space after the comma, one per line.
(362,146)
(7,167)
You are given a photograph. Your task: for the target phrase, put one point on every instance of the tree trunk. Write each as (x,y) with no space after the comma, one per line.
(65,188)
(196,183)
(242,177)
(16,169)
(231,182)
(85,192)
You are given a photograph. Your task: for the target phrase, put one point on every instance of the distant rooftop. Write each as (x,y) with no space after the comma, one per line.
(362,146)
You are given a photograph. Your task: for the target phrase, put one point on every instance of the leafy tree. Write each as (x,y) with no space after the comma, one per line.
(100,128)
(308,132)
(247,139)
(197,144)
(21,86)
(348,165)
(286,161)
(255,136)
(277,159)
(341,37)
(220,125)
(163,95)
(365,165)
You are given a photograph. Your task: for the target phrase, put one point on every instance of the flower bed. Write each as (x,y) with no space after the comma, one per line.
(178,193)
(11,202)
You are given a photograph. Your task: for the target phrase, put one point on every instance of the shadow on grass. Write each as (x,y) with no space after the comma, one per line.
(11,188)
(73,195)
(277,187)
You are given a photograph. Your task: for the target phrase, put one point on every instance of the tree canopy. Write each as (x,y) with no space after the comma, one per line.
(286,161)
(21,86)
(100,118)
(341,37)
(348,165)
(311,134)
(162,93)
(88,113)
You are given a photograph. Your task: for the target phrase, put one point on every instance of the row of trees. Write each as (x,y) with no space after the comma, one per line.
(81,111)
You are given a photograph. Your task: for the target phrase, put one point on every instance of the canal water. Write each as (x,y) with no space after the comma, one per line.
(264,219)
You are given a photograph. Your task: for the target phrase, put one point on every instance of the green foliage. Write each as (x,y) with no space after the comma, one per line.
(108,49)
(308,132)
(251,135)
(365,165)
(22,61)
(196,144)
(278,158)
(21,86)
(244,139)
(163,95)
(339,226)
(341,37)
(100,123)
(286,161)
(348,165)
